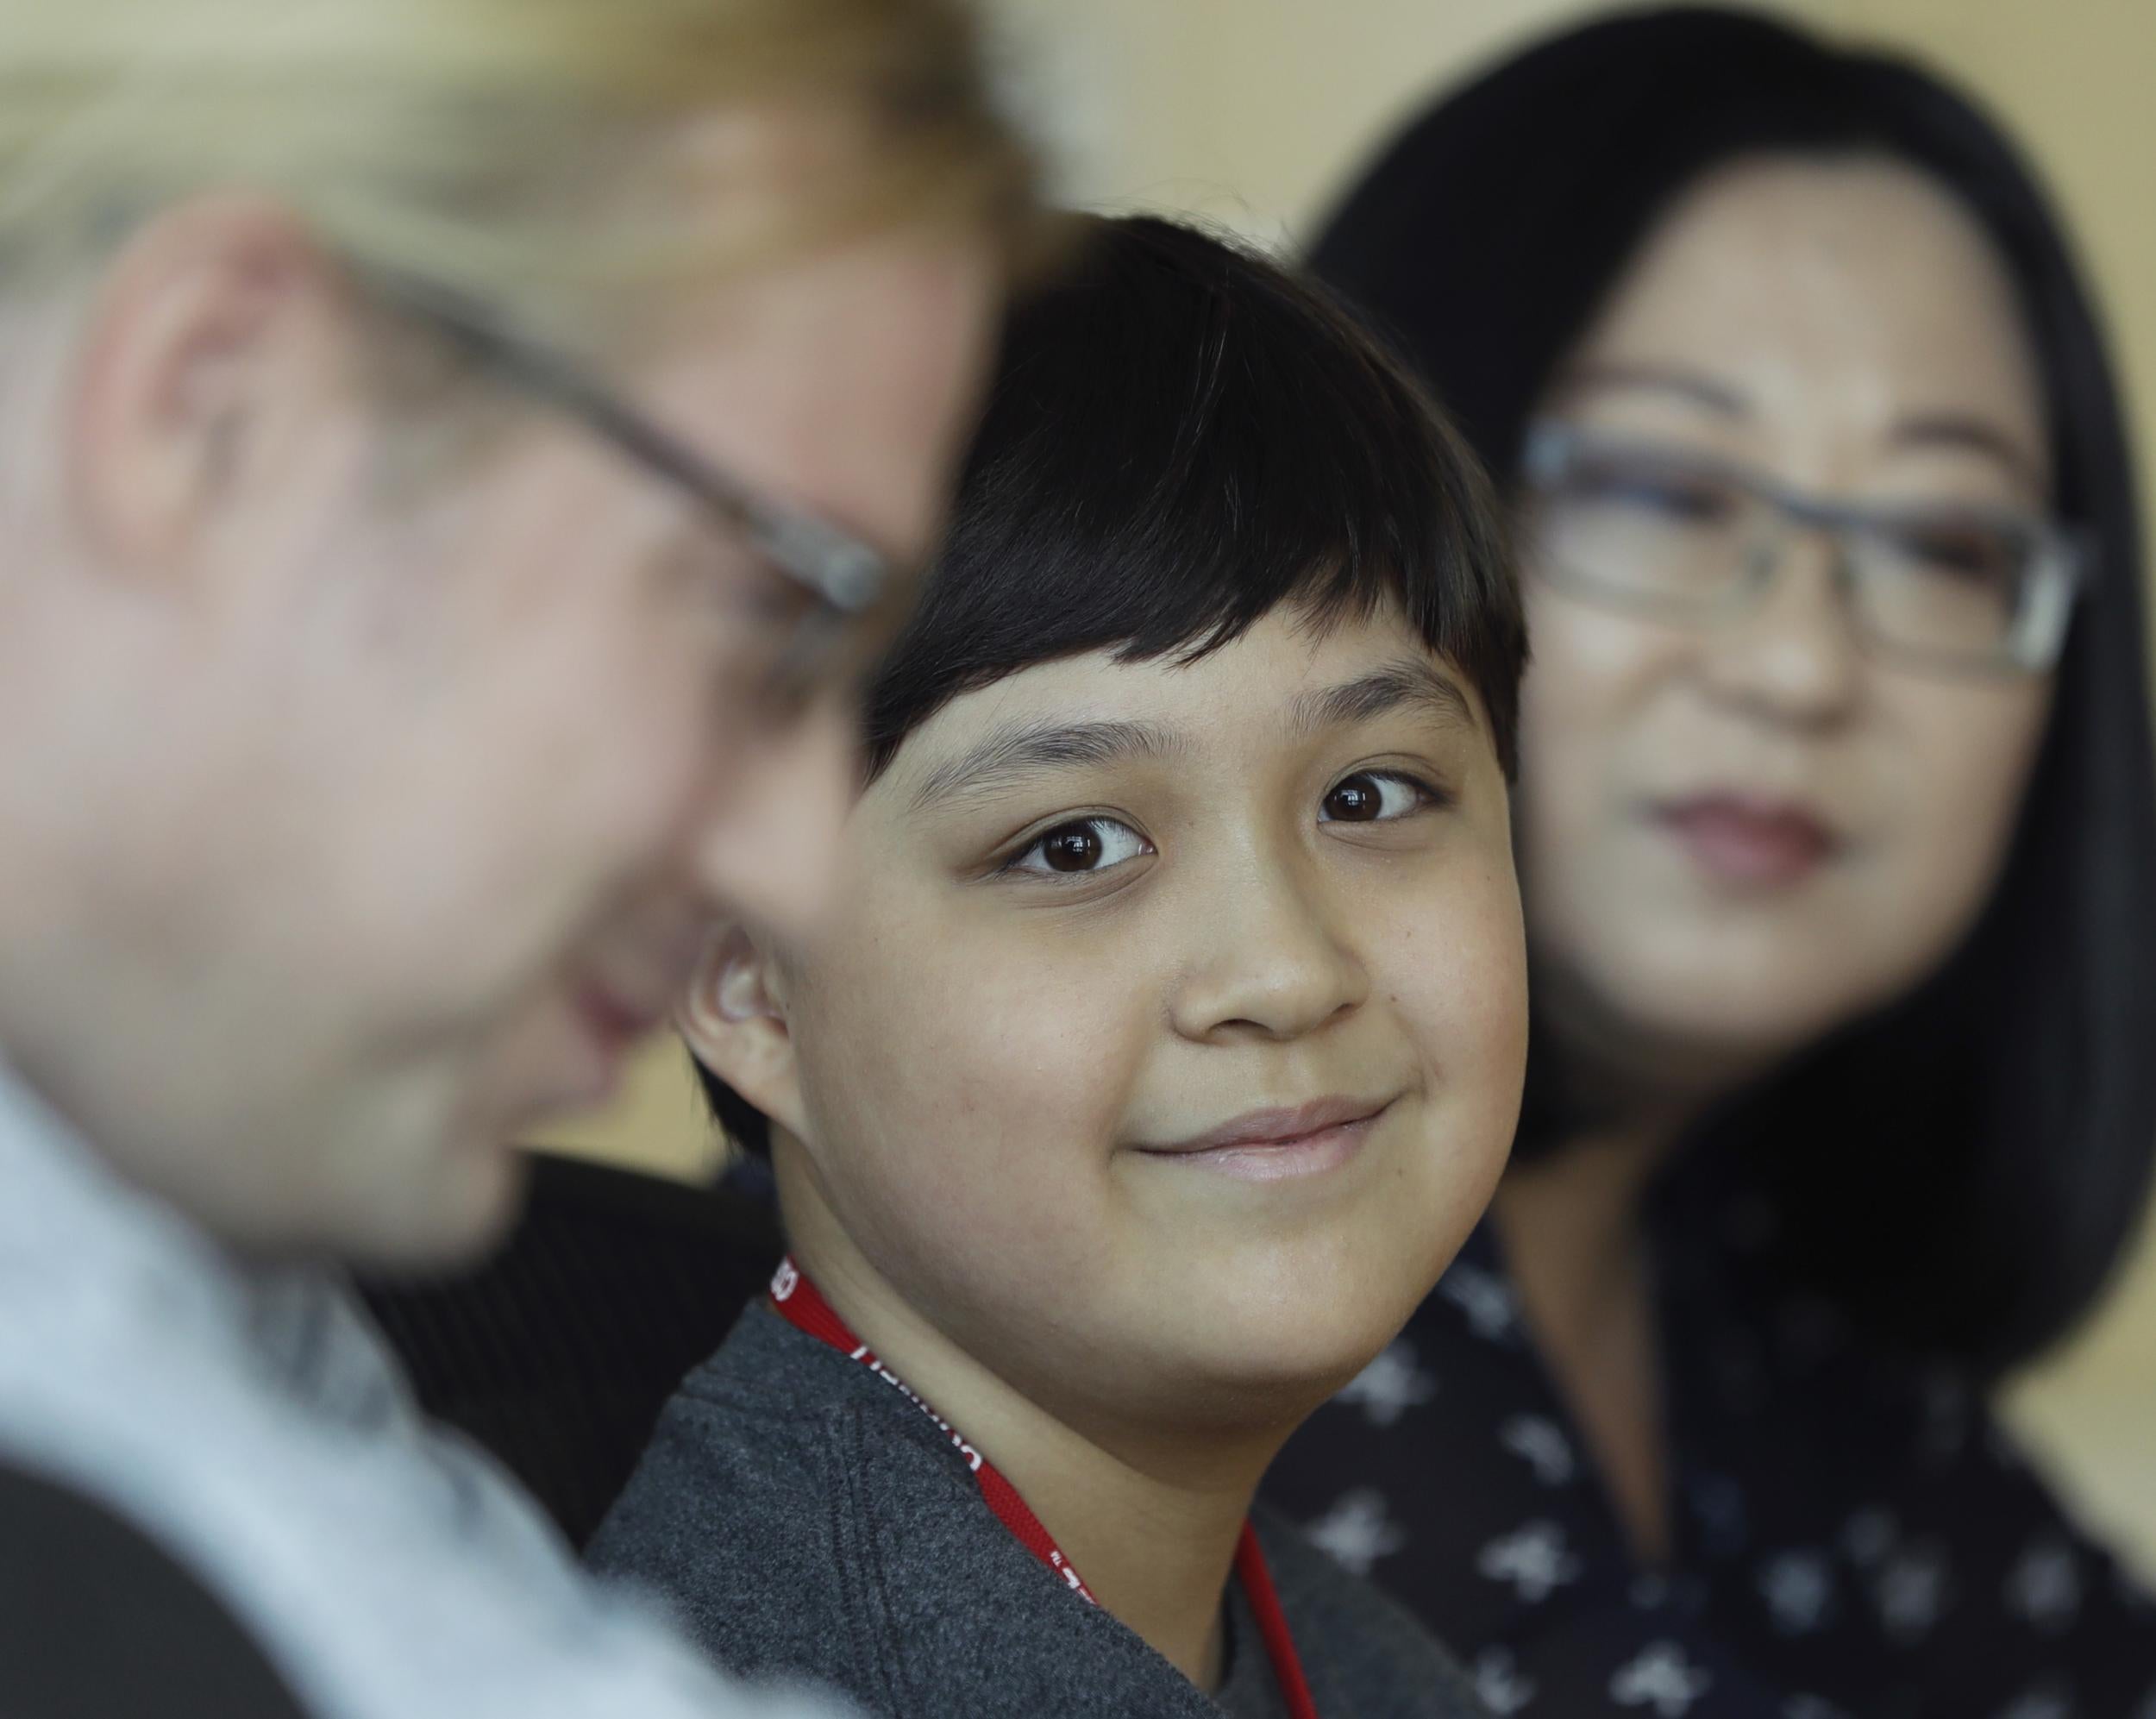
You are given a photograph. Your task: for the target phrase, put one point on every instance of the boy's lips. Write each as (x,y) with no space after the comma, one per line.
(1272,1144)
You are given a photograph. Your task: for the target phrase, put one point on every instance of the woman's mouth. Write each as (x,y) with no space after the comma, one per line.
(1741,839)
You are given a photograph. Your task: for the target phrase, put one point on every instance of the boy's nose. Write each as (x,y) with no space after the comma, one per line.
(1267,963)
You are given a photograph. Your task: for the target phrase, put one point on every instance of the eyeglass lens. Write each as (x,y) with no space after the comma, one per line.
(1664,535)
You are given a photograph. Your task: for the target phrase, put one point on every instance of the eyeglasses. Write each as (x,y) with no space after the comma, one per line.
(846,577)
(1682,537)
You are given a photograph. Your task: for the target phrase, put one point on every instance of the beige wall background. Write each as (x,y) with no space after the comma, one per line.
(1252,112)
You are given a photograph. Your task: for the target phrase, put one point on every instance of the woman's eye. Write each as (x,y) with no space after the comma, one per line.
(1680,499)
(1088,845)
(1369,797)
(1974,553)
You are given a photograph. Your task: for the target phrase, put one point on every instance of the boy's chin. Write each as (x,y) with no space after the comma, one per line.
(1236,1370)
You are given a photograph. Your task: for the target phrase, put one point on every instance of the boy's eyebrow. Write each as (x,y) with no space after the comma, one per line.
(1408,681)
(1024,749)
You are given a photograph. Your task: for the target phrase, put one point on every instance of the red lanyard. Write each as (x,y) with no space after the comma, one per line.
(801,1305)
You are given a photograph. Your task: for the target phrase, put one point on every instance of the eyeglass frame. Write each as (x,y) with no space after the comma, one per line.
(2062,566)
(847,575)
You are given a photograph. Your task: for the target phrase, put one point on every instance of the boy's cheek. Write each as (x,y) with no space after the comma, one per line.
(966,1070)
(1452,965)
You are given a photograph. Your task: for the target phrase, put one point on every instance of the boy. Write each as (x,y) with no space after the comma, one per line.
(1167,1044)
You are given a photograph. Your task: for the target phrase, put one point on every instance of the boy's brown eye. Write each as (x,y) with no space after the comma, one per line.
(1376,797)
(1356,800)
(1075,847)
(1085,844)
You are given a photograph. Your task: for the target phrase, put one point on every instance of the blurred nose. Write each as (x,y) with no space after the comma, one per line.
(1266,961)
(1793,657)
(768,850)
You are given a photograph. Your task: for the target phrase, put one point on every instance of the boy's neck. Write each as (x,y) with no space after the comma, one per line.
(1150,1519)
(1152,1533)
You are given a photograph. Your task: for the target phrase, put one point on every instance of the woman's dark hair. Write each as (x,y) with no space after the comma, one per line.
(1965,1169)
(1181,438)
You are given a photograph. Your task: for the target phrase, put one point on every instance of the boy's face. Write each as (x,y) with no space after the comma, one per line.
(1106,932)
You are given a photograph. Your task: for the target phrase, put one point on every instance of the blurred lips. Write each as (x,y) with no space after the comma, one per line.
(1276,1144)
(1749,839)
(614,1018)
(611,1022)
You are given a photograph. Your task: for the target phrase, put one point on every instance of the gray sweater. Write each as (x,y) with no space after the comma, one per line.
(807,1521)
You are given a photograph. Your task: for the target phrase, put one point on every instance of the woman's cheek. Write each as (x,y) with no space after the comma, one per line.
(1963,773)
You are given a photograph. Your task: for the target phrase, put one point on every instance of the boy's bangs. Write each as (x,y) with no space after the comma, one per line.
(1183,438)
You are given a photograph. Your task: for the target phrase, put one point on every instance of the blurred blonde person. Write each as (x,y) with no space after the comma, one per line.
(458,456)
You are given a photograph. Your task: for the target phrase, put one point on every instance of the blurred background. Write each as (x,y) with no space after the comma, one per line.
(1250,113)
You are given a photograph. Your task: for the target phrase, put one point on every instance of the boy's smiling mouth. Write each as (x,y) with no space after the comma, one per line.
(1276,1144)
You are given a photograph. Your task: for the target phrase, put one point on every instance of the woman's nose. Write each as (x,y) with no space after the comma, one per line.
(1794,656)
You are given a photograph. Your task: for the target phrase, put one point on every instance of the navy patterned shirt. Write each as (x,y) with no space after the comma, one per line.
(1853,1534)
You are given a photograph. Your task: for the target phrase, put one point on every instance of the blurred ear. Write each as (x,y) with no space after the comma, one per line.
(217,335)
(734,1019)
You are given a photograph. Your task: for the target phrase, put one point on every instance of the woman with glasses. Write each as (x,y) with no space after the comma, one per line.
(1836,823)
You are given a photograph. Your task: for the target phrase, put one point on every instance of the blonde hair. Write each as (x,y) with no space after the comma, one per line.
(515,150)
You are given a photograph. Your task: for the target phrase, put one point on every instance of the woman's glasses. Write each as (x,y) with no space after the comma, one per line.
(1684,537)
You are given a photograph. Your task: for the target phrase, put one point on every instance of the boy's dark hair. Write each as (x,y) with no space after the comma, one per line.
(1181,438)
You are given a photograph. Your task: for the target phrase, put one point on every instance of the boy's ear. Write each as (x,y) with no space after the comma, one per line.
(734,1020)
